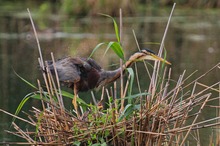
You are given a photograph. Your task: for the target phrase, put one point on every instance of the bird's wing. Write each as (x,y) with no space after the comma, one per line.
(94,64)
(71,69)
(67,70)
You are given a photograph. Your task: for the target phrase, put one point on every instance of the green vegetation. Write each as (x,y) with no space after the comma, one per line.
(91,7)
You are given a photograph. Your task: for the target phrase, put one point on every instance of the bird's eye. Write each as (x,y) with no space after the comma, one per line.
(144,52)
(147,51)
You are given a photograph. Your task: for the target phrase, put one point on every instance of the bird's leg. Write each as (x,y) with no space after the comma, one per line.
(74,101)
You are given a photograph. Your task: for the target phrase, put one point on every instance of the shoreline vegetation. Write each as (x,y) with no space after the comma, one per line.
(162,115)
(91,7)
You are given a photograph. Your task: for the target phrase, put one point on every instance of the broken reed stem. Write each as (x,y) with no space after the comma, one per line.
(198,137)
(160,94)
(46,80)
(126,86)
(41,97)
(137,78)
(218,121)
(60,98)
(182,84)
(195,125)
(136,41)
(202,91)
(116,102)
(41,62)
(165,32)
(203,75)
(93,98)
(153,84)
(28,143)
(154,77)
(17,117)
(36,37)
(138,46)
(183,141)
(147,132)
(208,87)
(175,93)
(24,134)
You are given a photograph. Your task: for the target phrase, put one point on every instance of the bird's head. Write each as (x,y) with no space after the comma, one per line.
(110,76)
(147,55)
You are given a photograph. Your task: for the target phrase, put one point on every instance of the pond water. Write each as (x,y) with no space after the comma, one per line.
(192,43)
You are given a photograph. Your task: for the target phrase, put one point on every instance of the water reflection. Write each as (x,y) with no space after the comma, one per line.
(192,43)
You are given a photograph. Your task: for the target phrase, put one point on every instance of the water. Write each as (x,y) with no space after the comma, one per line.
(192,43)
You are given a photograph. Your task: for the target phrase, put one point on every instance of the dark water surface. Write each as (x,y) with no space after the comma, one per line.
(192,43)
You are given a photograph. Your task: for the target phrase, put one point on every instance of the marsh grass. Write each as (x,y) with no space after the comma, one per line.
(161,115)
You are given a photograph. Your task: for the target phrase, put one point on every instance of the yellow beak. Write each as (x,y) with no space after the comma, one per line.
(155,58)
(160,59)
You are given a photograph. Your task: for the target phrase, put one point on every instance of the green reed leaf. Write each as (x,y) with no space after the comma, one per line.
(131,73)
(116,47)
(26,81)
(97,47)
(69,95)
(129,109)
(23,101)
(115,26)
(133,96)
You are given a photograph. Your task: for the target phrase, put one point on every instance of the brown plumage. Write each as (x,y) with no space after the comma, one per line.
(82,74)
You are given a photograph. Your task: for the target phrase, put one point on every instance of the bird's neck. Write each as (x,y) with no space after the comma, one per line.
(107,77)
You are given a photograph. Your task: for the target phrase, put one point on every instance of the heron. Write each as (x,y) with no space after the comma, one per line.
(83,74)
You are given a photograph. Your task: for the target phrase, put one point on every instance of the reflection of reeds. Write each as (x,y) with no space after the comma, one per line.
(164,115)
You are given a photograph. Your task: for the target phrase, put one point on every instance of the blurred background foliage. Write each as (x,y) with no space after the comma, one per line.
(80,8)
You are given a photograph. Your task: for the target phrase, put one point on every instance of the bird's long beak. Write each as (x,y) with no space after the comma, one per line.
(152,56)
(160,59)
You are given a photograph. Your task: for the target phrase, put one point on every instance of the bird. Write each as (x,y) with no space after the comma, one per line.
(83,74)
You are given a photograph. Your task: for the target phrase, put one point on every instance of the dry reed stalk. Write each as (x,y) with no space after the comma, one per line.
(17,117)
(121,61)
(190,128)
(60,99)
(160,132)
(218,121)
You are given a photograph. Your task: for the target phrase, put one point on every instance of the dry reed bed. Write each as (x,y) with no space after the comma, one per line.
(163,119)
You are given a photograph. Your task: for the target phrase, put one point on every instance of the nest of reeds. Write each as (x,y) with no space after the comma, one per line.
(158,118)
(165,114)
